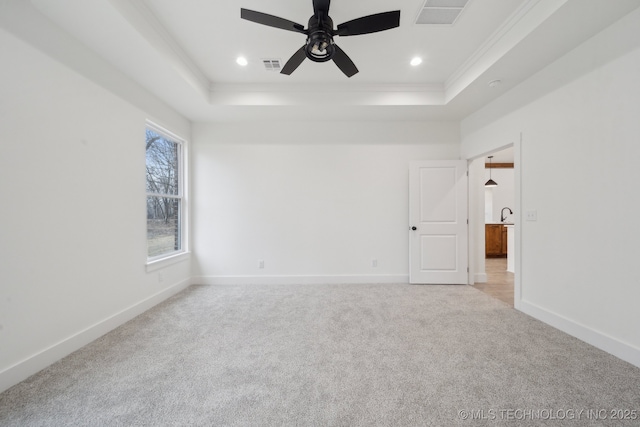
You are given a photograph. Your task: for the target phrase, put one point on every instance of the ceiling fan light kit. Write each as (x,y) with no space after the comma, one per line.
(320,46)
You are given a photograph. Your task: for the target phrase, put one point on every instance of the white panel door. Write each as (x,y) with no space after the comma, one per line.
(438,222)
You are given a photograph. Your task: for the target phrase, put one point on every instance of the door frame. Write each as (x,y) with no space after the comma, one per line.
(475,246)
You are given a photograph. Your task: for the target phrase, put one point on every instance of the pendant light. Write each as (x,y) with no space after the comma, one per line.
(490,183)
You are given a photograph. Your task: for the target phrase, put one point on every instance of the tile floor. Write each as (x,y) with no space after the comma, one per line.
(499,281)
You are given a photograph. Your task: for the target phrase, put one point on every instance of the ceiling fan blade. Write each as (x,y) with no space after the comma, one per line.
(343,62)
(370,24)
(294,62)
(322,5)
(271,21)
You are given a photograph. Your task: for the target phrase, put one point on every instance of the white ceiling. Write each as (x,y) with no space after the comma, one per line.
(184,52)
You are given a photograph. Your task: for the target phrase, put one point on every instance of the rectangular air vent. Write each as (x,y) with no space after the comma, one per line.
(441,12)
(272,65)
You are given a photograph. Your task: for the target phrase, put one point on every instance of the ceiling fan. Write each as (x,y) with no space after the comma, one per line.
(319,46)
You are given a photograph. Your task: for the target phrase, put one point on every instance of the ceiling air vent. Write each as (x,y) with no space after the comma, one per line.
(272,65)
(441,12)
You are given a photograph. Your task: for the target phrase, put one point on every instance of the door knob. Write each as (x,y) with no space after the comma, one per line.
(414,228)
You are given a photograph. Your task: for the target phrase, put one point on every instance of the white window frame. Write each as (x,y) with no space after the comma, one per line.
(160,261)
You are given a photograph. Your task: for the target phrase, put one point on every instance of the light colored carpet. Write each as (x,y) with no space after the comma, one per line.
(335,355)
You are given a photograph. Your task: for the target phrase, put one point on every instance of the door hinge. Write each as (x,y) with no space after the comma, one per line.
(467,173)
(467,221)
(467,269)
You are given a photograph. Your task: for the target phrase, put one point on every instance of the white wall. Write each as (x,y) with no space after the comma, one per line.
(579,170)
(315,206)
(73,235)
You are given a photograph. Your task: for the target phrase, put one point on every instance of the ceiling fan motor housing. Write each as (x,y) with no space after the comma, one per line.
(320,47)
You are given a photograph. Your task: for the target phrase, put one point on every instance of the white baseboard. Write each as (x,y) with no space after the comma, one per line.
(24,369)
(301,280)
(597,339)
(31,365)
(480,278)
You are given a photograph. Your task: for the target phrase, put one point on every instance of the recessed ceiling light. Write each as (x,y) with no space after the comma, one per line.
(242,61)
(416,61)
(494,83)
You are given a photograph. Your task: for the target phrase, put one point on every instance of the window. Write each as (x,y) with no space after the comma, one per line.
(165,193)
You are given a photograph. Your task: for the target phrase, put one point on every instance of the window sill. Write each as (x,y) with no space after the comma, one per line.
(167,261)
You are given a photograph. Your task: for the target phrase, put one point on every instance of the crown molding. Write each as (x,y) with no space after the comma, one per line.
(145,22)
(327,87)
(327,94)
(521,23)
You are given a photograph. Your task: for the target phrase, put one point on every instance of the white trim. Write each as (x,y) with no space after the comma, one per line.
(147,24)
(597,339)
(157,262)
(437,88)
(165,261)
(301,280)
(517,170)
(162,131)
(347,94)
(530,15)
(33,364)
(165,196)
(480,278)
(499,34)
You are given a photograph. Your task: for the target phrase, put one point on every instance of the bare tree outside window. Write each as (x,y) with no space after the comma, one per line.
(164,198)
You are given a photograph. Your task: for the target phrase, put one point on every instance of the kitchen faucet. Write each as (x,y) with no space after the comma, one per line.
(502,216)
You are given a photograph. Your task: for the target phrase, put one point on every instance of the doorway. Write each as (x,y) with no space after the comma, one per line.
(500,282)
(495,219)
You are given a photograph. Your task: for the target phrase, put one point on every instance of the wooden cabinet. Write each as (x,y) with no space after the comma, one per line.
(495,238)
